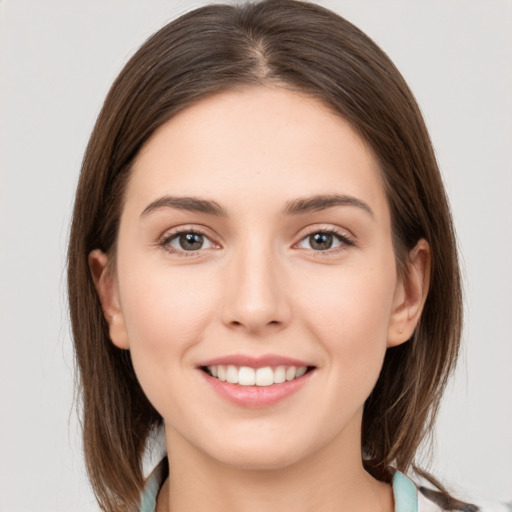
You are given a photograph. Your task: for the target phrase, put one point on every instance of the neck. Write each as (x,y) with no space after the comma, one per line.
(330,480)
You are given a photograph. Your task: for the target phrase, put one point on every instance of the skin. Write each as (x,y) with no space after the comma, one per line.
(257,287)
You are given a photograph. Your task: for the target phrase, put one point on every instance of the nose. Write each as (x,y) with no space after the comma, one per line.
(255,299)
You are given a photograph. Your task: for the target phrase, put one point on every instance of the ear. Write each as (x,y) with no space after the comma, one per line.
(410,295)
(106,286)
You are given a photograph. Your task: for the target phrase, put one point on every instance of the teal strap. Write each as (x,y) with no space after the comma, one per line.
(405,492)
(148,499)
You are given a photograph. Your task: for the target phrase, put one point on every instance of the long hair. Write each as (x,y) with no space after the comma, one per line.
(309,49)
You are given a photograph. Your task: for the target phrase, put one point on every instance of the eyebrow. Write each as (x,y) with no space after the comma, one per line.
(191,204)
(295,207)
(322,202)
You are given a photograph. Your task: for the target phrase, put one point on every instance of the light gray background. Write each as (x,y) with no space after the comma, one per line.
(58,59)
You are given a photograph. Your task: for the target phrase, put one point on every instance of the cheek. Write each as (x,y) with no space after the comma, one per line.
(165,311)
(349,312)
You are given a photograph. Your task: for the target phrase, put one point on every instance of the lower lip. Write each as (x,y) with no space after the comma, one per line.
(256,396)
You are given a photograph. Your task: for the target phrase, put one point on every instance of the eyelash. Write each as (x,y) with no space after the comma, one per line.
(169,237)
(342,237)
(345,241)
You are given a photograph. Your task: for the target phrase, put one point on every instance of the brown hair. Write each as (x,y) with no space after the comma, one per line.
(312,50)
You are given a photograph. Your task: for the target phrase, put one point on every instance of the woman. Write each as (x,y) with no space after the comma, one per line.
(262,261)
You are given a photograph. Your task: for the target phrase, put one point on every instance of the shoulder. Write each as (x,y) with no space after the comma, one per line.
(410,498)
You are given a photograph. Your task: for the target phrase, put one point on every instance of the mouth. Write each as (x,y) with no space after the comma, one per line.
(260,377)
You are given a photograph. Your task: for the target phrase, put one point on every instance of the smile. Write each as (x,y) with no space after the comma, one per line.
(248,376)
(261,381)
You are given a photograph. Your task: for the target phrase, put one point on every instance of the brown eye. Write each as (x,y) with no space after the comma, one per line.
(321,241)
(188,242)
(325,241)
(191,241)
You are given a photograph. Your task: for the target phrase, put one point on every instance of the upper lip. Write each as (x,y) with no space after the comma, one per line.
(254,362)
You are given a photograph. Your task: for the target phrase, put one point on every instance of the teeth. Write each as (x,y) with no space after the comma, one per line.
(232,374)
(221,373)
(279,375)
(291,371)
(264,376)
(246,376)
(300,372)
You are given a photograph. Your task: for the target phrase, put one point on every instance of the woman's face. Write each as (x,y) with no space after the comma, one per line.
(255,244)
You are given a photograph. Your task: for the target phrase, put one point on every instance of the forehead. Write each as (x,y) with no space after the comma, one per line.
(267,142)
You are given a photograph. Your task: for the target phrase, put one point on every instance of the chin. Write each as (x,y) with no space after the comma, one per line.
(259,460)
(262,453)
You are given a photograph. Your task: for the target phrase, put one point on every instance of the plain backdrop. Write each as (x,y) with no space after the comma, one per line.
(57,61)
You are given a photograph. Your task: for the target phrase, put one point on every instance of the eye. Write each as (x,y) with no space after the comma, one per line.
(187,241)
(324,241)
